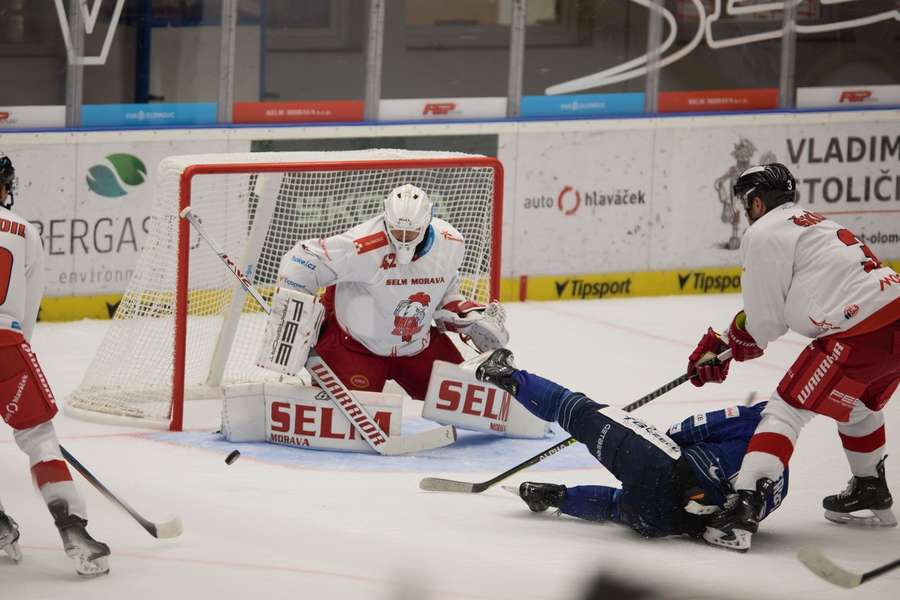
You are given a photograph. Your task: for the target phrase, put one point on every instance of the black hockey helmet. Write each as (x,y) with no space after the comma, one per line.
(7,180)
(772,182)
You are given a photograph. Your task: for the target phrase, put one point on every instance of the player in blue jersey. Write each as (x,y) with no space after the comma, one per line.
(671,484)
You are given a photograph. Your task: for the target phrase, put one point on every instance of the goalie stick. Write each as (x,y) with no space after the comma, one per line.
(330,383)
(436,484)
(166,529)
(819,564)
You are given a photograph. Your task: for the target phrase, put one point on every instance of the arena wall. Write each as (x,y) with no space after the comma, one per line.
(592,209)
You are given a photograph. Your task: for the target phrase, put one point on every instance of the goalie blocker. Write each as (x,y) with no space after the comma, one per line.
(291,330)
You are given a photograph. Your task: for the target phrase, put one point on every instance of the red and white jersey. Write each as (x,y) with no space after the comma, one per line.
(387,307)
(807,273)
(21,273)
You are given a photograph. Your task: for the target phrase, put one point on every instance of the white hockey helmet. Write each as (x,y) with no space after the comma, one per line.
(407,215)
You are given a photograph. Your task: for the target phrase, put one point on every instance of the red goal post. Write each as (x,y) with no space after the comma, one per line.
(259,205)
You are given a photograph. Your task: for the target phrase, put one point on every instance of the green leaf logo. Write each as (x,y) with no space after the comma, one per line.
(130,170)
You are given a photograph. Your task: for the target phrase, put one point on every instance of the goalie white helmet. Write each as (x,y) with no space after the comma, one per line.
(407,215)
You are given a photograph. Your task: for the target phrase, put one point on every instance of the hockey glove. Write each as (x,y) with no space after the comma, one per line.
(702,363)
(483,325)
(743,346)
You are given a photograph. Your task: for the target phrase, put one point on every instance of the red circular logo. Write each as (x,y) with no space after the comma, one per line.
(561,204)
(359,381)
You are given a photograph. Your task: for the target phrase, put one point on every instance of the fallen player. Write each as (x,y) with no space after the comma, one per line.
(671,483)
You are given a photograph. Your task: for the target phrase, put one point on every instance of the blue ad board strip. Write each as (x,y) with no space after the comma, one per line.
(148,115)
(579,105)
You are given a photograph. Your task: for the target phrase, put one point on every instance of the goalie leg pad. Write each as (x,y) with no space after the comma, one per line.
(292,329)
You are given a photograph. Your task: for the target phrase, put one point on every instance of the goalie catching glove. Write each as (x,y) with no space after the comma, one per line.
(482,324)
(291,330)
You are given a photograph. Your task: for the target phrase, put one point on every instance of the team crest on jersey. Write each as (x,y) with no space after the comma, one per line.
(851,311)
(409,316)
(732,411)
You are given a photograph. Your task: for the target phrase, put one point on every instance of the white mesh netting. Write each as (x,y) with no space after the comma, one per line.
(131,375)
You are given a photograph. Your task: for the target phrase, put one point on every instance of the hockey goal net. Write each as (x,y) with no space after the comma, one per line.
(185,328)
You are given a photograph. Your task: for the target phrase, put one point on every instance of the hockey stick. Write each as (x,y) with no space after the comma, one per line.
(330,383)
(436,484)
(167,529)
(816,562)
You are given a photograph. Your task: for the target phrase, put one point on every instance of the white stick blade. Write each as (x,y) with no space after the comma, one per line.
(436,484)
(426,440)
(185,212)
(819,564)
(169,529)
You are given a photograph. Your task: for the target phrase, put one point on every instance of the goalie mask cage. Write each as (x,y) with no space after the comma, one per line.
(185,328)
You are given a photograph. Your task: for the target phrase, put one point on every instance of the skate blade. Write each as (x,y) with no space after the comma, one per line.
(473,363)
(91,568)
(738,541)
(13,551)
(878,518)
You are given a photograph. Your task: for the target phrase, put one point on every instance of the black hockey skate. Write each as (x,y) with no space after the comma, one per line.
(733,527)
(497,369)
(863,493)
(89,554)
(9,537)
(541,496)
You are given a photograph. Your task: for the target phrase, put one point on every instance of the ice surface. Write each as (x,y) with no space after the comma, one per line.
(284,523)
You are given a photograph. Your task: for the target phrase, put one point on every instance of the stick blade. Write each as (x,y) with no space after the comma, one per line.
(169,529)
(436,484)
(419,442)
(819,564)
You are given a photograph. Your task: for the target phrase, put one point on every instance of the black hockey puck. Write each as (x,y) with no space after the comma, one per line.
(232,457)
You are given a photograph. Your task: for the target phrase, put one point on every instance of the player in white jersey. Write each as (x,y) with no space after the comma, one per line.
(807,273)
(386,280)
(26,401)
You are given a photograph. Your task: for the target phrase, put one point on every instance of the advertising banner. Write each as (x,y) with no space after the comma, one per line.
(441,109)
(582,105)
(24,117)
(579,201)
(91,203)
(298,112)
(148,115)
(718,100)
(858,96)
(847,171)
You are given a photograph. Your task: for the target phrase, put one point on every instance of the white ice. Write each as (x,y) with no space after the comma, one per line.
(270,529)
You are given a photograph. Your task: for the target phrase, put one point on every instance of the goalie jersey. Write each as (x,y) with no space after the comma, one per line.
(385,306)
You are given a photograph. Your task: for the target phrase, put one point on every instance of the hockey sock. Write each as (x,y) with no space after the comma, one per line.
(863,439)
(542,397)
(772,445)
(592,503)
(55,483)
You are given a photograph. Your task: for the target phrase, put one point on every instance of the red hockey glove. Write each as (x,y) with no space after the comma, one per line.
(743,346)
(711,370)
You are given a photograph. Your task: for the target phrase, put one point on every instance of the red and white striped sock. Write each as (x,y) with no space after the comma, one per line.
(55,482)
(772,444)
(863,438)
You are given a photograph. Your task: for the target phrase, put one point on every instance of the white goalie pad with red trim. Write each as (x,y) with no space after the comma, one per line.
(302,416)
(456,397)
